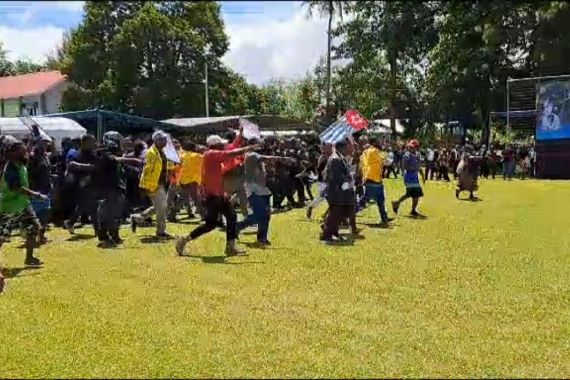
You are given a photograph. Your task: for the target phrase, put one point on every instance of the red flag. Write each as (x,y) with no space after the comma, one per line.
(356,120)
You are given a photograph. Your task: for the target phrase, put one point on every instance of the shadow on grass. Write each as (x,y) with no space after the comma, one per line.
(189,221)
(80,237)
(416,217)
(221,260)
(470,200)
(379,226)
(151,239)
(16,272)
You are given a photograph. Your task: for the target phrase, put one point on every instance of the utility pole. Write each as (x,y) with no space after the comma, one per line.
(206,88)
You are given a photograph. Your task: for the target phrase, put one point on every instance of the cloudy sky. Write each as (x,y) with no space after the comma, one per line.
(267,39)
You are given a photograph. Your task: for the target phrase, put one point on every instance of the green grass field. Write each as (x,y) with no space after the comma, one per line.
(475,290)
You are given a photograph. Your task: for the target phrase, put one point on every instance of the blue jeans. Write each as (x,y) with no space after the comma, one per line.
(374,191)
(261,215)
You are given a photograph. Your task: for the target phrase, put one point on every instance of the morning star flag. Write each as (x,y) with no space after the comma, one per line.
(344,127)
(37,132)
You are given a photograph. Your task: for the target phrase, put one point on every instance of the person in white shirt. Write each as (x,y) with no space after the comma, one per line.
(430,163)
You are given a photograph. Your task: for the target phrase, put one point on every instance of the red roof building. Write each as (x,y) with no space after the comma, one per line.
(31,94)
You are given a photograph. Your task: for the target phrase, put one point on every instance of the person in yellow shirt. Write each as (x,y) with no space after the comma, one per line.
(174,188)
(191,174)
(372,165)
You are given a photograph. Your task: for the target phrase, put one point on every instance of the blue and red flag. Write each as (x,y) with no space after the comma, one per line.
(344,127)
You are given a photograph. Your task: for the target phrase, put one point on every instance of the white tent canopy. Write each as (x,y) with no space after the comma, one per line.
(383,126)
(57,128)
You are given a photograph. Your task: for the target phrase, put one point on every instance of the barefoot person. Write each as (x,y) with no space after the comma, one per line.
(468,171)
(412,170)
(217,201)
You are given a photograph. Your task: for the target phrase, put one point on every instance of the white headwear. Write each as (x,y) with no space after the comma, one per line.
(215,140)
(159,135)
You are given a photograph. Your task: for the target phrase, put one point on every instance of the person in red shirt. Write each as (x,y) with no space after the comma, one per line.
(216,199)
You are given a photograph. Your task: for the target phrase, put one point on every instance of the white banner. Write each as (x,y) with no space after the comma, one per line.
(170,151)
(250,130)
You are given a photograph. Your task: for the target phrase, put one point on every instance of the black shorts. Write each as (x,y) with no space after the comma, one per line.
(414,192)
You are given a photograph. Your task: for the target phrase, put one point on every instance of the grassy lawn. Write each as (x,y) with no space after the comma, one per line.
(475,290)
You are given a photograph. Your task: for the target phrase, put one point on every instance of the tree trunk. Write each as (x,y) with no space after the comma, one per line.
(329,42)
(393,70)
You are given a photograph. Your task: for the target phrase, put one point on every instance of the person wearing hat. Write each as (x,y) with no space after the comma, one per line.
(109,187)
(412,170)
(15,194)
(154,181)
(216,199)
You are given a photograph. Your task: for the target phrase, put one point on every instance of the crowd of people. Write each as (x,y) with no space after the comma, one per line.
(128,181)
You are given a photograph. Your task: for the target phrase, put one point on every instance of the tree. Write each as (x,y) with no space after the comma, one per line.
(391,34)
(329,9)
(6,67)
(480,47)
(146,58)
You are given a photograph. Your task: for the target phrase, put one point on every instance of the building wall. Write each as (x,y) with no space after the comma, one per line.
(53,99)
(46,103)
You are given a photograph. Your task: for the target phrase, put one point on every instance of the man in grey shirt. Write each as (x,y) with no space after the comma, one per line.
(259,197)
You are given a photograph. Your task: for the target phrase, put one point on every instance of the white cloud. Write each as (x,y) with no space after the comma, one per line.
(75,6)
(33,43)
(269,49)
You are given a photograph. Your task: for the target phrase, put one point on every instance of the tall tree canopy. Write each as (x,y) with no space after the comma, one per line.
(147,58)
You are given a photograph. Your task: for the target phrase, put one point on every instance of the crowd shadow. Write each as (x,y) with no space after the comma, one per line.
(188,222)
(379,226)
(417,217)
(80,237)
(475,200)
(17,272)
(220,260)
(151,239)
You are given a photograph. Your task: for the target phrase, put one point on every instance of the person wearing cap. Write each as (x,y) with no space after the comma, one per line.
(412,169)
(372,167)
(154,181)
(216,199)
(15,194)
(259,198)
(109,187)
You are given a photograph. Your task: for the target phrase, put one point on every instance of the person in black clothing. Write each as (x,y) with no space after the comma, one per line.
(80,184)
(109,187)
(39,173)
(341,195)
